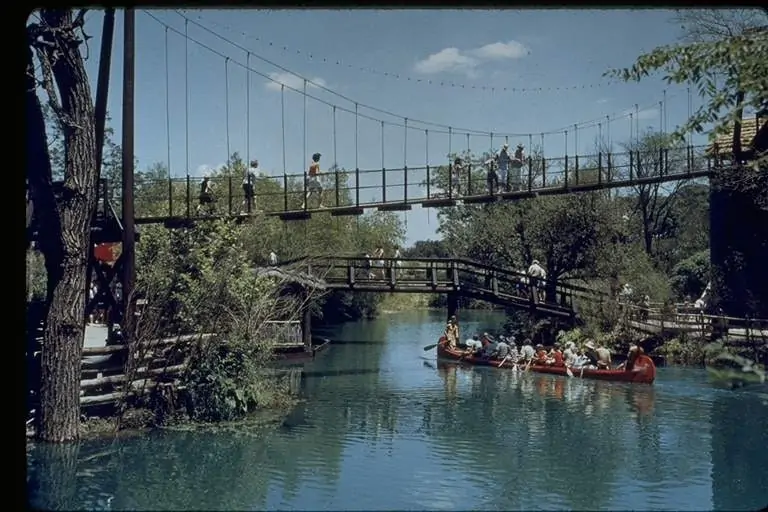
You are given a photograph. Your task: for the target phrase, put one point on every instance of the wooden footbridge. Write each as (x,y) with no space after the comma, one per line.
(176,200)
(455,277)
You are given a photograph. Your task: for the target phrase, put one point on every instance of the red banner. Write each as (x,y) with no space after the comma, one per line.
(108,253)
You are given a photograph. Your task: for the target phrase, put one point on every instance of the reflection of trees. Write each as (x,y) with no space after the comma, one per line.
(739,427)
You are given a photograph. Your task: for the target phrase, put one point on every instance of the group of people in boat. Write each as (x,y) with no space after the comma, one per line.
(587,356)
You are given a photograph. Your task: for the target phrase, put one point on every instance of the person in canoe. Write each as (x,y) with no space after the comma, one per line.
(632,355)
(489,345)
(473,344)
(555,356)
(452,332)
(570,354)
(502,350)
(600,357)
(541,355)
(527,352)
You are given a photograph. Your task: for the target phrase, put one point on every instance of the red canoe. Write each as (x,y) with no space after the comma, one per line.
(644,371)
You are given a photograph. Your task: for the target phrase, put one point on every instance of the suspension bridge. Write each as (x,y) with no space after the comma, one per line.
(427,173)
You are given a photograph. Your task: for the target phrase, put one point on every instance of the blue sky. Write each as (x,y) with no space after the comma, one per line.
(556,56)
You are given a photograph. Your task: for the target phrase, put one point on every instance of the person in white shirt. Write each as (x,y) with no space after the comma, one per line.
(248,182)
(272,258)
(503,160)
(538,278)
(205,198)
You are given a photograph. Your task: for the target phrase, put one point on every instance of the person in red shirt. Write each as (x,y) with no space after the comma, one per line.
(541,355)
(555,356)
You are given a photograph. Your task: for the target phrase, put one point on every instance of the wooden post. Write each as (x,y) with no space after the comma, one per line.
(453,304)
(306,326)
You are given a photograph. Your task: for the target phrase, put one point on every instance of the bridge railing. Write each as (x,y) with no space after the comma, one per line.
(440,275)
(397,188)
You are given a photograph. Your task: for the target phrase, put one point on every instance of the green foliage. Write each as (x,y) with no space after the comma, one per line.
(683,350)
(201,280)
(36,276)
(721,69)
(690,276)
(320,235)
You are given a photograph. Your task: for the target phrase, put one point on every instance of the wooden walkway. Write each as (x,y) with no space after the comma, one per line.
(174,201)
(682,321)
(464,277)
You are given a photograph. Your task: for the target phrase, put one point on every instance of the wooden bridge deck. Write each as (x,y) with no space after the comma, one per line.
(175,201)
(438,275)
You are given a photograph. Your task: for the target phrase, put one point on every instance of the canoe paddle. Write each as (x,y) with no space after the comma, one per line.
(430,347)
(503,361)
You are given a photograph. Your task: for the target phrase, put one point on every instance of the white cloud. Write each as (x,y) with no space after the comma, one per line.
(453,60)
(293,81)
(446,60)
(499,50)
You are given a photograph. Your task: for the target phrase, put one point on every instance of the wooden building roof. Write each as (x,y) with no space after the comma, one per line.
(749,127)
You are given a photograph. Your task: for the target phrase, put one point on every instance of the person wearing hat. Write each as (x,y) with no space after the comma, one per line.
(473,344)
(503,159)
(452,332)
(313,182)
(541,355)
(569,354)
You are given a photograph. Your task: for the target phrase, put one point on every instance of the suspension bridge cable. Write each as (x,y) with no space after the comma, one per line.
(438,83)
(339,95)
(186,91)
(282,122)
(167,106)
(248,111)
(584,124)
(305,122)
(226,105)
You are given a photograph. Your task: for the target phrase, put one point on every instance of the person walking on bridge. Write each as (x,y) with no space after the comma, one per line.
(503,160)
(248,182)
(205,199)
(458,167)
(313,182)
(492,178)
(516,166)
(538,280)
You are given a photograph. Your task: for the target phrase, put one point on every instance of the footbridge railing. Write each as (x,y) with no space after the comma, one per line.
(444,275)
(350,192)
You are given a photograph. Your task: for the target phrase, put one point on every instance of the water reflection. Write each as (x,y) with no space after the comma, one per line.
(386,426)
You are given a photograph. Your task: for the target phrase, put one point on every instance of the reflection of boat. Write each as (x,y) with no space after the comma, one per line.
(644,371)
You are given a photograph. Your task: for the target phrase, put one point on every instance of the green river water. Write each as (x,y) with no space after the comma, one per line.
(384,427)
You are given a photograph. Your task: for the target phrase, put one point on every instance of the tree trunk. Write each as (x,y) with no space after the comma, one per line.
(64,221)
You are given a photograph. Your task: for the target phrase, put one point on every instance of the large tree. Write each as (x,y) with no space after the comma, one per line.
(728,63)
(64,215)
